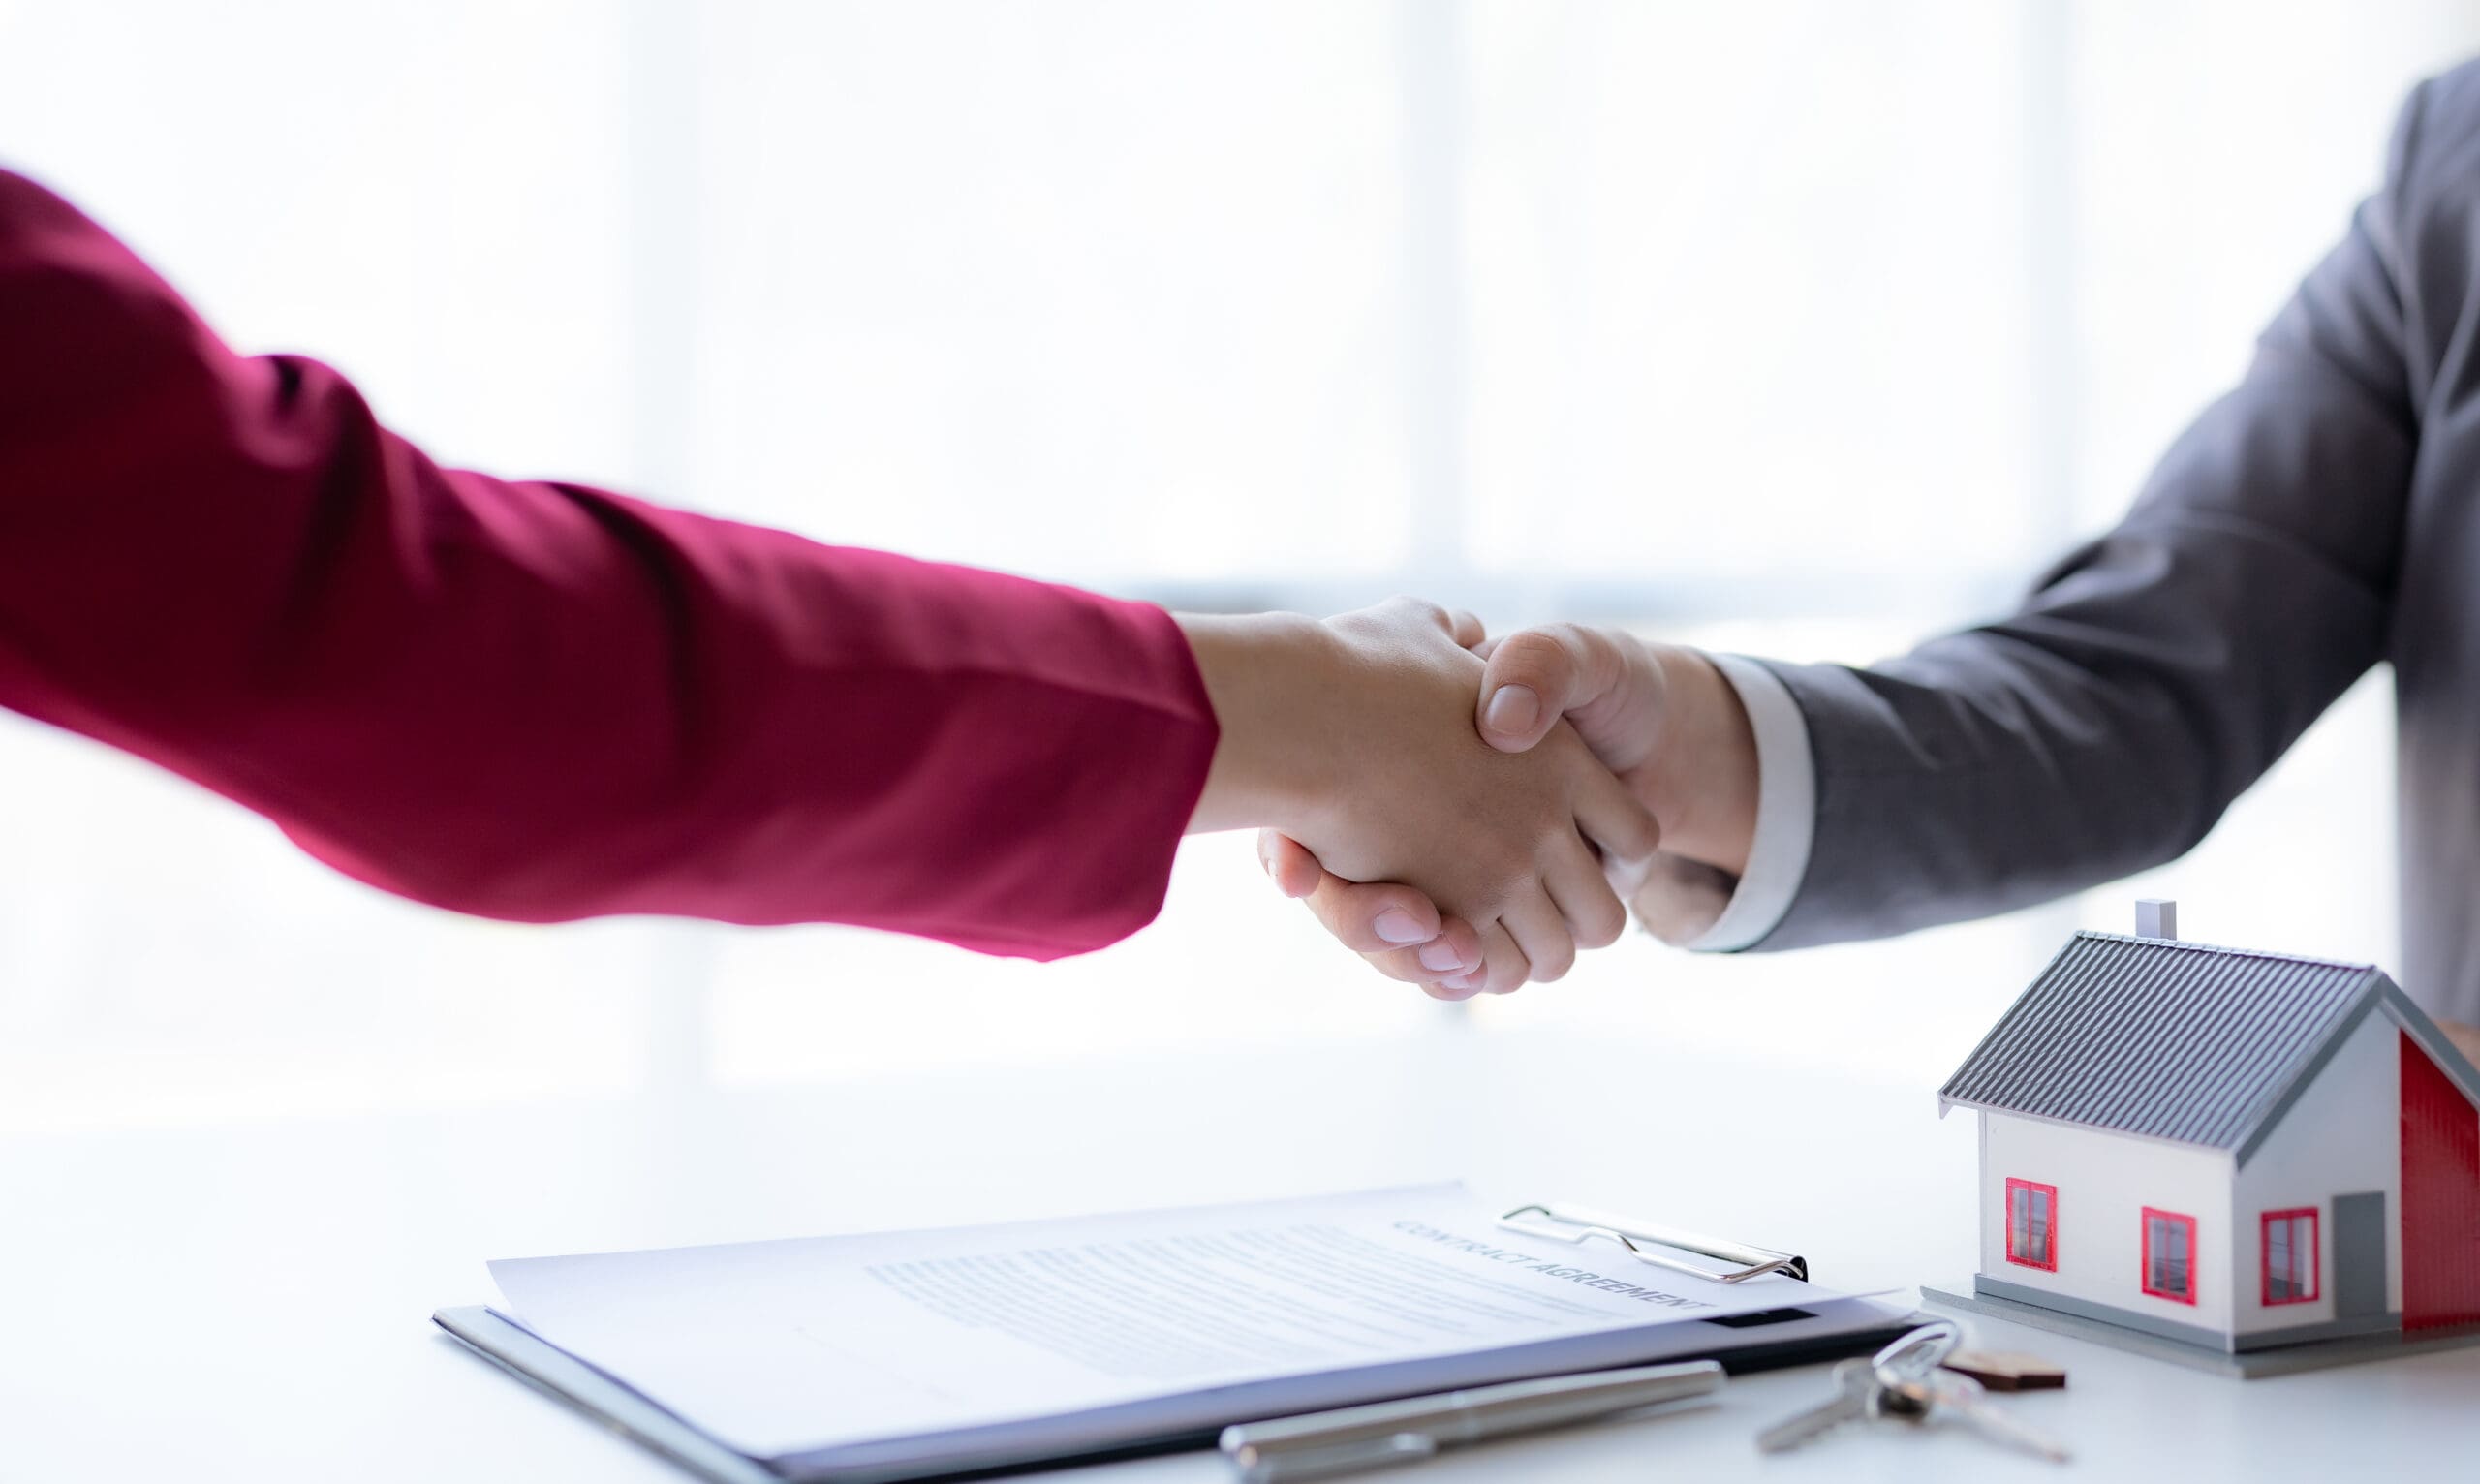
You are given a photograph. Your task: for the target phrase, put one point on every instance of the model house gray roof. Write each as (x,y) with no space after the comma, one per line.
(2178,1040)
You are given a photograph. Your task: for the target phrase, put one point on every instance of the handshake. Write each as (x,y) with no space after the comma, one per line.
(1467,812)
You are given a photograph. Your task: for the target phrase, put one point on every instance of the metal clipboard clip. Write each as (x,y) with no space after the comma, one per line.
(1576,1224)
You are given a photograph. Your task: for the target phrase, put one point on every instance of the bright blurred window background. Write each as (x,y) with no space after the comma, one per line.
(1803,328)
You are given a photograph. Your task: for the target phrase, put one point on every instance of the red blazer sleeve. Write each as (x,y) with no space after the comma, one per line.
(539,701)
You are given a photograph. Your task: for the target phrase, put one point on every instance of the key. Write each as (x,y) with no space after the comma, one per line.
(1856,1394)
(1865,1389)
(1949,1394)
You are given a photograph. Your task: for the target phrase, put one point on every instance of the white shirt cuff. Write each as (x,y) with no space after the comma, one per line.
(1787,810)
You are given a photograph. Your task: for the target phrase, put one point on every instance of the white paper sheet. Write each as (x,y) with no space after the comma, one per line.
(793,1346)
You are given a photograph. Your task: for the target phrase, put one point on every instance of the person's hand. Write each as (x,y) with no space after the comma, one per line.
(1661,717)
(1354,738)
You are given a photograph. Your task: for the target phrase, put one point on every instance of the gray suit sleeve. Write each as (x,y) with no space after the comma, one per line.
(2157,672)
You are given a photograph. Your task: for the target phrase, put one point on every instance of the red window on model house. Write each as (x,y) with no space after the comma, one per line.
(2290,1256)
(2031,1224)
(2170,1256)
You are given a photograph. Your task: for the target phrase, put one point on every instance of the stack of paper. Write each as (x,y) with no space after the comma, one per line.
(908,1354)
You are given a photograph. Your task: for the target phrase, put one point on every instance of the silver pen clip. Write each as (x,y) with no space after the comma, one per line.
(1576,1224)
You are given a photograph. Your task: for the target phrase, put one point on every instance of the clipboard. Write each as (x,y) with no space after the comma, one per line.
(1741,1343)
(614,1406)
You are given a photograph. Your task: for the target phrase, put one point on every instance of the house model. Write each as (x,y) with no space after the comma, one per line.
(2263,1161)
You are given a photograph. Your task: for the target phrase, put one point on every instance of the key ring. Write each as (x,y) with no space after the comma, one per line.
(1914,1355)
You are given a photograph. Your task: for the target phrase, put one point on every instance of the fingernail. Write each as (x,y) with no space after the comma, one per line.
(1442,956)
(1512,710)
(1265,857)
(1463,981)
(1396,925)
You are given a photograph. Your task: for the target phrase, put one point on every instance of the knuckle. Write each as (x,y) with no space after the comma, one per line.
(1532,644)
(1582,643)
(1530,653)
(1588,655)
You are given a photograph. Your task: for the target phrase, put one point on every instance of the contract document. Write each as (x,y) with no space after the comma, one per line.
(908,1354)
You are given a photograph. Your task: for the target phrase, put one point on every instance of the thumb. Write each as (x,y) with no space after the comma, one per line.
(1535,676)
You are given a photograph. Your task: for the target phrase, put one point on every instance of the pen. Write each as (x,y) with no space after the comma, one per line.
(1316,1446)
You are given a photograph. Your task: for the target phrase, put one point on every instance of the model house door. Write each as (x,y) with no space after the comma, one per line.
(2359,1255)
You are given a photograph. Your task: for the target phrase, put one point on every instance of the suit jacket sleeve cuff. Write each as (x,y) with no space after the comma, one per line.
(1786,811)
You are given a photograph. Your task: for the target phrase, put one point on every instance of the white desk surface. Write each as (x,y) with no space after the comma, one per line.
(252,1303)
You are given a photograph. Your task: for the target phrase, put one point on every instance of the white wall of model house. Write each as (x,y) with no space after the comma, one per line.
(2345,1134)
(2104,1181)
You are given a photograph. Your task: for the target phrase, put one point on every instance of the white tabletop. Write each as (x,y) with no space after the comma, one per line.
(252,1303)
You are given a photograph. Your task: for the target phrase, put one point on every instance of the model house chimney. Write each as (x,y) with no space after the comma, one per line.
(2156,917)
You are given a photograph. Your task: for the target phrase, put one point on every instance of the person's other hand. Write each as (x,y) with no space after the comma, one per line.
(1354,738)
(1661,717)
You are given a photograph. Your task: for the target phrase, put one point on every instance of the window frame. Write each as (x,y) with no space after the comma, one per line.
(2314,1289)
(2144,1271)
(2006,1222)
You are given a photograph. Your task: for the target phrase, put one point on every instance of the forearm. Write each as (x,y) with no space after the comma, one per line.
(2100,731)
(541,701)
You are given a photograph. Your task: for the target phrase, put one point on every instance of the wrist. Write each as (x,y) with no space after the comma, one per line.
(1262,674)
(1703,781)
